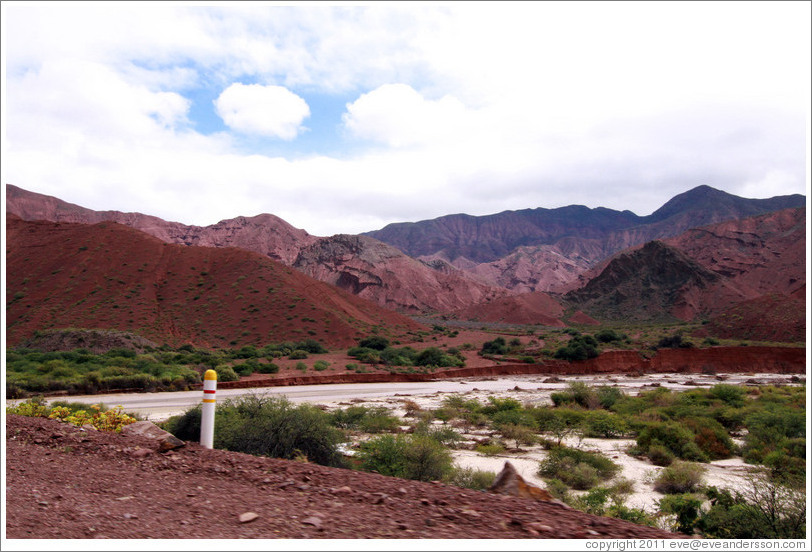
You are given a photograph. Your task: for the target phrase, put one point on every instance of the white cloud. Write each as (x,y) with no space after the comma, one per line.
(397,115)
(265,110)
(471,108)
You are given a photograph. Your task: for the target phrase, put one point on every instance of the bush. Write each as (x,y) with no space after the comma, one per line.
(469,478)
(686,509)
(579,347)
(732,395)
(680,477)
(599,423)
(659,455)
(321,365)
(577,468)
(674,436)
(408,456)
(298,354)
(268,368)
(490,449)
(375,342)
(266,426)
(711,438)
(226,373)
(608,336)
(764,509)
(496,347)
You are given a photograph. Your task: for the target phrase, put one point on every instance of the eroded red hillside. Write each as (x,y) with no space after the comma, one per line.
(111,276)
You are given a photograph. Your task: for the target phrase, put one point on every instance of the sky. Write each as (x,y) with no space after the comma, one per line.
(345,117)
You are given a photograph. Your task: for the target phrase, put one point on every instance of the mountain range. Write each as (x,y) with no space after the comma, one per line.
(702,253)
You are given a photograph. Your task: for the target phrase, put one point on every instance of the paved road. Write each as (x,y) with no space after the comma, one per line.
(159,406)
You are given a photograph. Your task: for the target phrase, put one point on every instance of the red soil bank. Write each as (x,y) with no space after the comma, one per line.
(782,360)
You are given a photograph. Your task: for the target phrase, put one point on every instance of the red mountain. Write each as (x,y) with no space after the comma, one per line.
(379,272)
(360,265)
(110,276)
(724,271)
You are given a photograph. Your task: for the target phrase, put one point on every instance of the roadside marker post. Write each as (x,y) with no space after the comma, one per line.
(207,415)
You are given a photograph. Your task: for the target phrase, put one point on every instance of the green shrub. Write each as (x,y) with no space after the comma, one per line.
(490,449)
(711,438)
(446,436)
(599,423)
(266,426)
(659,454)
(298,354)
(732,395)
(577,468)
(674,436)
(765,509)
(685,507)
(680,477)
(634,515)
(226,373)
(321,365)
(375,342)
(408,456)
(608,396)
(581,347)
(608,336)
(469,478)
(496,347)
(268,368)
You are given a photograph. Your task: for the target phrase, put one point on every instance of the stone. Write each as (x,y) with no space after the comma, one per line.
(509,482)
(140,453)
(165,440)
(247,517)
(315,521)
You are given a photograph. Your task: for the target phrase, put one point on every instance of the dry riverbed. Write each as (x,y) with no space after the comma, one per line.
(536,390)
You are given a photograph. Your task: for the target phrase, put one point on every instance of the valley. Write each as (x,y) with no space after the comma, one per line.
(496,338)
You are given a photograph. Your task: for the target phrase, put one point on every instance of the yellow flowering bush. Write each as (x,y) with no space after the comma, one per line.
(108,420)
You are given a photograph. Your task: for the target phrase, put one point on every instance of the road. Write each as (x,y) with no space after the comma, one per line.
(160,406)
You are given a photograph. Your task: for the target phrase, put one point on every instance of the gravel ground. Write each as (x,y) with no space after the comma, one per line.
(64,482)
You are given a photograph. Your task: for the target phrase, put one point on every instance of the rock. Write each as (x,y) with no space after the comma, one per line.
(165,440)
(140,453)
(342,490)
(509,482)
(539,527)
(248,517)
(315,521)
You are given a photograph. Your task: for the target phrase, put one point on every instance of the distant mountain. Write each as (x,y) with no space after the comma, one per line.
(379,272)
(763,254)
(706,271)
(488,238)
(714,250)
(109,276)
(657,282)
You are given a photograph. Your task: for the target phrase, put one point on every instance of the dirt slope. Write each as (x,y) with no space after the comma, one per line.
(111,276)
(67,483)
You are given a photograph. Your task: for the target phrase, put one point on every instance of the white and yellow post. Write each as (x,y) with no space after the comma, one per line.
(207,416)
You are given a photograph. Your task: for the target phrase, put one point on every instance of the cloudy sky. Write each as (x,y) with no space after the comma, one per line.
(343,118)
